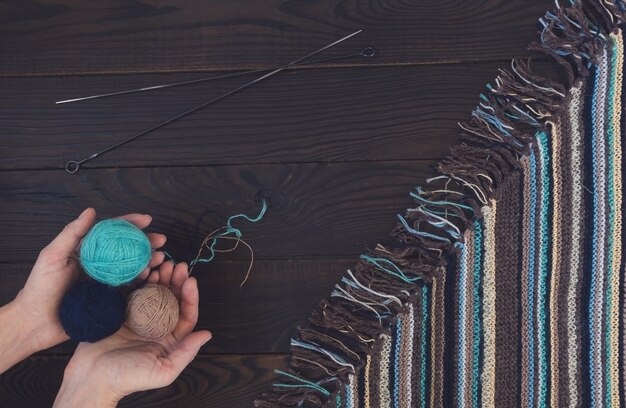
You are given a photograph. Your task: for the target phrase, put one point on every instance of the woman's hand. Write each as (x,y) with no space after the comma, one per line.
(31,322)
(100,374)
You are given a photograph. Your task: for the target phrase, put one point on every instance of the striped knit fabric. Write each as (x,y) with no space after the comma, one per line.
(505,285)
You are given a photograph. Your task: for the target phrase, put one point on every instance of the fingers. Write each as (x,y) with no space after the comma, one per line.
(141,221)
(153,277)
(181,274)
(184,353)
(165,273)
(156,259)
(156,240)
(188,316)
(66,242)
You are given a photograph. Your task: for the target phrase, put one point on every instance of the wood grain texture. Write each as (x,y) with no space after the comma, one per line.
(75,37)
(405,113)
(209,381)
(321,210)
(259,317)
(338,147)
(321,115)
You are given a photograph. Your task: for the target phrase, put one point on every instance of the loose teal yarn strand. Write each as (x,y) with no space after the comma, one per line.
(115,252)
(230,230)
(303,383)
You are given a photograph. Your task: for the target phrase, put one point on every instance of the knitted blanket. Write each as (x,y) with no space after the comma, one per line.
(504,285)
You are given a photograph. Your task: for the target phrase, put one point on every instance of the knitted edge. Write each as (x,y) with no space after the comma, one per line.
(345,328)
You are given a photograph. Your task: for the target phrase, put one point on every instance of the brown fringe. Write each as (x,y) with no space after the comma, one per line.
(495,138)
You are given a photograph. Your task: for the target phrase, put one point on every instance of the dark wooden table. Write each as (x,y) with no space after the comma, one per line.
(338,145)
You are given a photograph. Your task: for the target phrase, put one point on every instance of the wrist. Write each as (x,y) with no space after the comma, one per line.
(16,338)
(40,329)
(83,393)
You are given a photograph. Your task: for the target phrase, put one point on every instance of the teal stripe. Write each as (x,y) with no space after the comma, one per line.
(530,328)
(396,363)
(461,373)
(542,282)
(612,226)
(477,321)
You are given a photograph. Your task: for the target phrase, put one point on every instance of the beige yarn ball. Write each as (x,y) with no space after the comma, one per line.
(152,311)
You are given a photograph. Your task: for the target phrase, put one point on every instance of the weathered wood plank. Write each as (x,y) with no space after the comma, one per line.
(209,381)
(75,37)
(323,210)
(400,113)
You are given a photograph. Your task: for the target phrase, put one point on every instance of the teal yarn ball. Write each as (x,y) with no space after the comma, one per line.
(115,252)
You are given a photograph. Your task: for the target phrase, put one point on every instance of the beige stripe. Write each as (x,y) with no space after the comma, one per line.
(406,357)
(556,261)
(366,397)
(385,395)
(469,242)
(354,389)
(434,340)
(573,297)
(617,233)
(488,377)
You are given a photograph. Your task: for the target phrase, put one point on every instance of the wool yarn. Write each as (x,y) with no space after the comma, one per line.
(503,284)
(152,311)
(91,311)
(115,252)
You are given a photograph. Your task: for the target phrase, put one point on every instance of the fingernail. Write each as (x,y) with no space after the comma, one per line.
(83,213)
(207,340)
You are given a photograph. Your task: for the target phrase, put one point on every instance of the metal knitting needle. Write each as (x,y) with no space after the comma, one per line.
(73,166)
(365,52)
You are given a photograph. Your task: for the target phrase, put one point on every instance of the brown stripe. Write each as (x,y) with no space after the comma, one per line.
(564,161)
(508,222)
(406,359)
(525,161)
(375,379)
(417,338)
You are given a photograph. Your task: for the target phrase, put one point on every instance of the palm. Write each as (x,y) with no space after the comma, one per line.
(130,363)
(136,365)
(57,268)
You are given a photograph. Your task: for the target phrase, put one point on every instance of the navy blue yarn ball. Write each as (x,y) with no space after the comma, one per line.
(91,311)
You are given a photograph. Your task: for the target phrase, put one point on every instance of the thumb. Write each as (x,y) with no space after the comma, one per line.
(185,351)
(67,241)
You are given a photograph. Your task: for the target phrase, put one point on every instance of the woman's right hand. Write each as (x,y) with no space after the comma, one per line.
(100,374)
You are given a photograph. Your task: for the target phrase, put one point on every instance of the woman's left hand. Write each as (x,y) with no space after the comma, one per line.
(34,313)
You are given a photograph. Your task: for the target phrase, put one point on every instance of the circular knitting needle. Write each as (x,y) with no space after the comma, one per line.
(73,166)
(365,52)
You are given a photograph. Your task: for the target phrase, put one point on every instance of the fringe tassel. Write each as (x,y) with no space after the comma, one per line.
(345,327)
